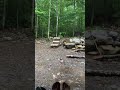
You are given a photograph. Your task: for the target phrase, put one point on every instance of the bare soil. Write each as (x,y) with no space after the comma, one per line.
(17,65)
(51,65)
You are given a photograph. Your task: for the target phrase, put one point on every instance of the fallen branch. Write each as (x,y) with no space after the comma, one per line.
(75,56)
(101,57)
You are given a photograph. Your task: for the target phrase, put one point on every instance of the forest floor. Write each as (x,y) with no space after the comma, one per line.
(100,82)
(51,65)
(16,64)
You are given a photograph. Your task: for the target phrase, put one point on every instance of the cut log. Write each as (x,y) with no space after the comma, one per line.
(78,50)
(56,38)
(109,49)
(69,45)
(93,53)
(75,56)
(54,45)
(80,46)
(56,42)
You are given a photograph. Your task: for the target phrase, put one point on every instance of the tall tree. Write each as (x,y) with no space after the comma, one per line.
(4,14)
(49,18)
(32,15)
(57,19)
(17,15)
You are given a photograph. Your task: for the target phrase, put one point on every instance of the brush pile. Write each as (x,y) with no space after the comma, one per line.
(74,43)
(102,42)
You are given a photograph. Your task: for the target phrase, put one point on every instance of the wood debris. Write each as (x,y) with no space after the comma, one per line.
(56,42)
(75,56)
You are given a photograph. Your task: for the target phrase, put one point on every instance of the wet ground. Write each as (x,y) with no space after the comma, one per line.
(51,65)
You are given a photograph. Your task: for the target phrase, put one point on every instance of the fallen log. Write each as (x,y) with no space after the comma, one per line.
(78,50)
(69,45)
(106,57)
(54,45)
(102,72)
(75,56)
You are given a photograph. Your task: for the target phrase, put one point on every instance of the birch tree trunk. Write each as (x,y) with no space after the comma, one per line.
(75,17)
(36,33)
(36,23)
(57,18)
(49,18)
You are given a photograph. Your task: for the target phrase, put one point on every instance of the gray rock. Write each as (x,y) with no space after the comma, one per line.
(100,34)
(112,33)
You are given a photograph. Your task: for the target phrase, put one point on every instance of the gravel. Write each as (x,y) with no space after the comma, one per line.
(51,65)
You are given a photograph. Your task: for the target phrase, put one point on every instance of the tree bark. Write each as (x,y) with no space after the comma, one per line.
(75,17)
(57,18)
(17,14)
(36,27)
(92,15)
(4,14)
(32,16)
(49,19)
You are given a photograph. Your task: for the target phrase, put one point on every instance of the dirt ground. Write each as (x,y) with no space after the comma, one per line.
(51,65)
(17,65)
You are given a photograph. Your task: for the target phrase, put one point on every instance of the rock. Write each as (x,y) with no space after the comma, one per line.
(113,34)
(104,40)
(99,34)
(76,40)
(7,38)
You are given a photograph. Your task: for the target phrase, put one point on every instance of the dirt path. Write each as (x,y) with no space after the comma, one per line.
(51,65)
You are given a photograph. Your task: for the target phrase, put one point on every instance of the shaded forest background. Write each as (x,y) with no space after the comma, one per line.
(19,14)
(99,12)
(16,14)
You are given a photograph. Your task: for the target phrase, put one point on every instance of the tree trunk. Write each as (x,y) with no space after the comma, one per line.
(42,33)
(75,17)
(49,19)
(4,14)
(17,19)
(32,16)
(57,18)
(36,27)
(92,15)
(17,14)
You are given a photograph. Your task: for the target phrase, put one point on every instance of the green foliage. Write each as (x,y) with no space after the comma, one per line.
(71,17)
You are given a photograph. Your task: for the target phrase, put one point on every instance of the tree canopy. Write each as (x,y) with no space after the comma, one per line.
(59,17)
